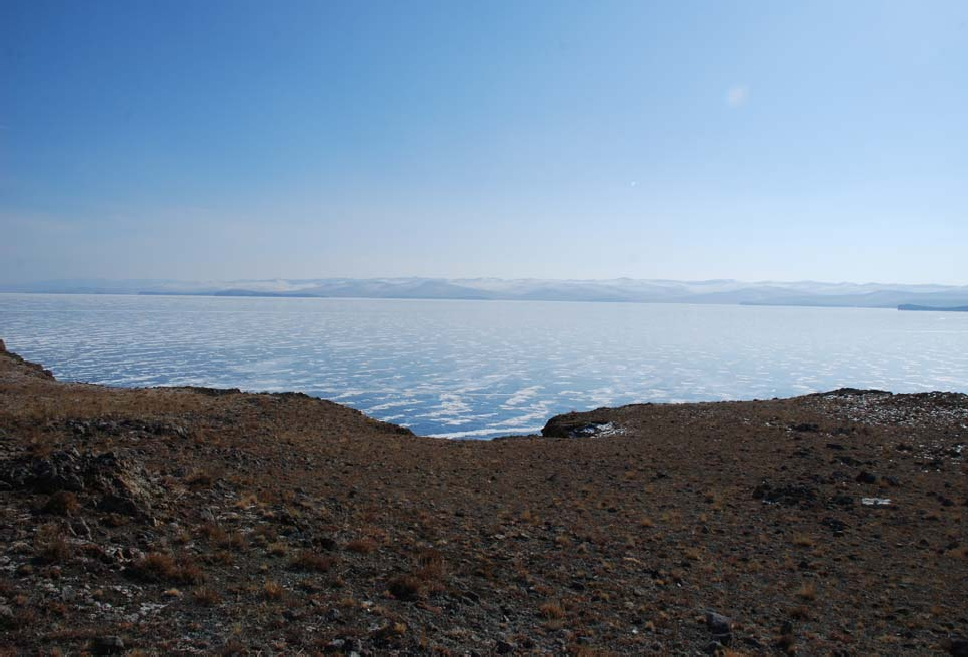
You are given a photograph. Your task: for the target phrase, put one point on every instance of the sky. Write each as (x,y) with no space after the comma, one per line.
(219,140)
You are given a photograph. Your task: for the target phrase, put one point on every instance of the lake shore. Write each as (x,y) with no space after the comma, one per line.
(192,520)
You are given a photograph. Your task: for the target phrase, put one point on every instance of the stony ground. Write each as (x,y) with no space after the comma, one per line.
(168,521)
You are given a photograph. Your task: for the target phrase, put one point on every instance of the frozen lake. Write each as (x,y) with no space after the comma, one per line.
(478,369)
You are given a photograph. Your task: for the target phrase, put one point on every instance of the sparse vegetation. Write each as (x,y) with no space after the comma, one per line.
(807,592)
(272,590)
(405,587)
(311,561)
(278,549)
(362,546)
(206,597)
(552,610)
(62,503)
(302,514)
(50,545)
(163,568)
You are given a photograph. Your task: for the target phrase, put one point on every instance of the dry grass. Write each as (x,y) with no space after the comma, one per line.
(62,503)
(212,532)
(247,501)
(309,560)
(278,549)
(160,567)
(200,479)
(807,592)
(430,564)
(266,533)
(552,610)
(362,546)
(50,546)
(802,540)
(958,553)
(206,597)
(692,554)
(234,541)
(405,587)
(272,590)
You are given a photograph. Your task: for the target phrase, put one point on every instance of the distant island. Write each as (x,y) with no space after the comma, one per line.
(717,291)
(950,309)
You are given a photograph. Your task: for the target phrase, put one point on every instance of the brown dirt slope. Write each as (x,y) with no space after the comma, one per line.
(176,520)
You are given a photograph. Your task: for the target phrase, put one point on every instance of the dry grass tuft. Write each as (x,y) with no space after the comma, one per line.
(247,501)
(62,503)
(212,531)
(692,554)
(272,590)
(405,587)
(807,592)
(200,479)
(278,549)
(552,610)
(159,567)
(309,560)
(362,546)
(50,546)
(234,541)
(958,553)
(206,597)
(430,564)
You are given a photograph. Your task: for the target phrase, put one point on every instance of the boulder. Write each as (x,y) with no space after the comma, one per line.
(805,427)
(107,645)
(720,627)
(799,494)
(957,646)
(579,425)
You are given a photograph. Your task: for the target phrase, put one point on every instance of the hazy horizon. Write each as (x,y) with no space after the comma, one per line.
(170,279)
(550,140)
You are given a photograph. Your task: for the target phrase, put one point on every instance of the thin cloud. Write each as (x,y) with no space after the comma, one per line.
(737,95)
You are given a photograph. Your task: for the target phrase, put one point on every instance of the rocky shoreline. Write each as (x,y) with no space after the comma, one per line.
(196,521)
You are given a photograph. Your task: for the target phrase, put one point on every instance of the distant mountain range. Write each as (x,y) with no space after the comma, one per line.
(800,293)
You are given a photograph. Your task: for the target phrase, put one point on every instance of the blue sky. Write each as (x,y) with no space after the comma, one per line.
(691,140)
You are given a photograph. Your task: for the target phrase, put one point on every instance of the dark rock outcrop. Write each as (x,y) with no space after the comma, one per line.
(576,425)
(799,495)
(720,627)
(113,482)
